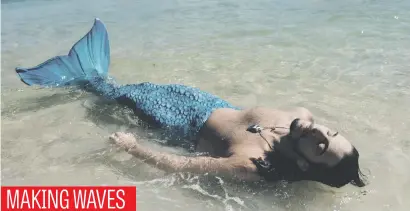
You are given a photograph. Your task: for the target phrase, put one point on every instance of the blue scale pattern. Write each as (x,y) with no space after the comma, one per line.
(181,109)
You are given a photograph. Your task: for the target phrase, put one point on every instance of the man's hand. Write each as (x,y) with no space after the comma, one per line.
(125,140)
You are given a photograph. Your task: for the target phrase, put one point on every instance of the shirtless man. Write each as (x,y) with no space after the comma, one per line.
(247,144)
(235,152)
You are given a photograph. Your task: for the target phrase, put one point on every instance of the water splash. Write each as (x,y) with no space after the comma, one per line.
(194,183)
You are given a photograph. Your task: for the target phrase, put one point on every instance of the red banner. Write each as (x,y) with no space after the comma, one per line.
(25,198)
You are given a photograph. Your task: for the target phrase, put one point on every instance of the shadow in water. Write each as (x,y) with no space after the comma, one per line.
(106,113)
(34,103)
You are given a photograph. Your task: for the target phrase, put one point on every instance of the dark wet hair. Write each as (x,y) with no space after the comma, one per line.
(345,172)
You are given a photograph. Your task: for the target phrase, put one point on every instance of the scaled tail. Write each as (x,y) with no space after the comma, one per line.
(88,58)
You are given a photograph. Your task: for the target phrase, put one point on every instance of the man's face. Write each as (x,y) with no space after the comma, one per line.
(333,159)
(320,145)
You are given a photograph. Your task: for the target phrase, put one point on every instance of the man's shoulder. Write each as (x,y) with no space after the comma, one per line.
(260,110)
(266,115)
(303,113)
(260,113)
(300,111)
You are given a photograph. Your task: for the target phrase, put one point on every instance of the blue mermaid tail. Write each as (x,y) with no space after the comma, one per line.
(179,109)
(89,57)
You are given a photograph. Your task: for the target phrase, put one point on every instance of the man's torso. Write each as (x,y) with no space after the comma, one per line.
(225,132)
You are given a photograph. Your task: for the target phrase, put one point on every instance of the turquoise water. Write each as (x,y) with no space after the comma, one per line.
(346,61)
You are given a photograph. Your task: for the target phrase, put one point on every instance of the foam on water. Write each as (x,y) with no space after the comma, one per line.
(346,61)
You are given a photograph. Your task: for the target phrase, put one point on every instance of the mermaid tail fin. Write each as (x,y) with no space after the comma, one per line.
(89,57)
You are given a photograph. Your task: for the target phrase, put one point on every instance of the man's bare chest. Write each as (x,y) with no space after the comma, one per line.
(230,128)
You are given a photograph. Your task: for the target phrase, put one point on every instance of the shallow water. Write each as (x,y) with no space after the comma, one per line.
(346,61)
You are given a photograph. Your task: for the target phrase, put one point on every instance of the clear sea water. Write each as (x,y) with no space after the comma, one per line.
(346,61)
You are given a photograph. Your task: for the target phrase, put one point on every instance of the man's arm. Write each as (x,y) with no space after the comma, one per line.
(231,166)
(177,163)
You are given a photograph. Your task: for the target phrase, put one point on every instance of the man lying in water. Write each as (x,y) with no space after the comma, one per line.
(248,144)
(236,152)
